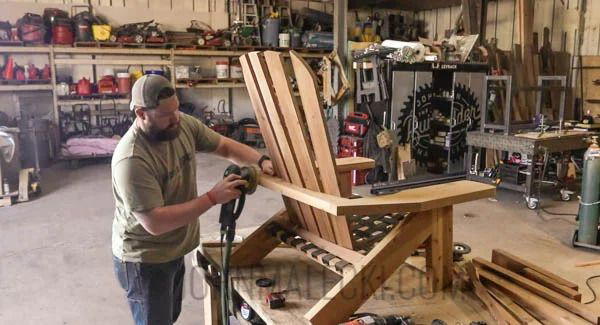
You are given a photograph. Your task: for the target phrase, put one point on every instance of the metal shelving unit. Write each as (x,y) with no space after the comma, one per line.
(220,85)
(94,101)
(65,55)
(26,87)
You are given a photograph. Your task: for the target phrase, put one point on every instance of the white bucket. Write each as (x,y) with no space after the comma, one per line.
(284,40)
(222,69)
(109,72)
(236,71)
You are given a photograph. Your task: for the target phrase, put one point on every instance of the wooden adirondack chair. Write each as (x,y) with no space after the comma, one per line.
(363,239)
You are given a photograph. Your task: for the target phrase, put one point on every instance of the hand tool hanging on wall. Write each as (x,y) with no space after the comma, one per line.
(370,82)
(330,62)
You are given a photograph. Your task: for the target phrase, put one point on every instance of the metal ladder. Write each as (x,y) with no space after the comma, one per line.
(266,7)
(250,17)
(285,12)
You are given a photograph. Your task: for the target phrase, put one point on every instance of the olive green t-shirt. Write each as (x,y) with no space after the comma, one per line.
(147,175)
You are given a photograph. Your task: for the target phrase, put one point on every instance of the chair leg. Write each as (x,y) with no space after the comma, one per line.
(258,244)
(439,255)
(375,268)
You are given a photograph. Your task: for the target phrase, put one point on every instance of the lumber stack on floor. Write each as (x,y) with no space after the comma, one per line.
(518,292)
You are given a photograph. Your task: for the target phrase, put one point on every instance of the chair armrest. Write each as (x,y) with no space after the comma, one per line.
(353,163)
(321,201)
(418,199)
(413,200)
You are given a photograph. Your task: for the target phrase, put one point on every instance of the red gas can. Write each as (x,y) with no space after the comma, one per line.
(46,72)
(33,73)
(84,87)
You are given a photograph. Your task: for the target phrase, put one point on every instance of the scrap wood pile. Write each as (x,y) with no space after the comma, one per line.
(525,65)
(518,292)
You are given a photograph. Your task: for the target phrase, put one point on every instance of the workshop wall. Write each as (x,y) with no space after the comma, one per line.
(561,16)
(173,14)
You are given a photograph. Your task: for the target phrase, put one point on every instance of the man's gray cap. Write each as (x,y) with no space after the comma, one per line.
(146,89)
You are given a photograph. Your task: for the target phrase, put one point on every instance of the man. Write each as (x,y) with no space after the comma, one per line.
(157,207)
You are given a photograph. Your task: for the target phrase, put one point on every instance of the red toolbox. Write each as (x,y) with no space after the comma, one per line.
(345,152)
(356,124)
(351,141)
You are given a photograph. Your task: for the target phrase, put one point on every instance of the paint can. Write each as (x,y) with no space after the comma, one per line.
(124,82)
(236,71)
(222,69)
(284,40)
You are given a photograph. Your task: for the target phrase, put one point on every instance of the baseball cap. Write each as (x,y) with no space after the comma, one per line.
(146,89)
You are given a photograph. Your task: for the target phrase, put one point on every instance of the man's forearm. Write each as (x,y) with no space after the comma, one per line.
(239,153)
(164,219)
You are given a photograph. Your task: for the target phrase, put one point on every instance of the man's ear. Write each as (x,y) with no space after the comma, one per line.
(140,113)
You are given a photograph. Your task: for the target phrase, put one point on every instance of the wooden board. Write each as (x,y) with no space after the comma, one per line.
(521,314)
(263,89)
(258,103)
(517,264)
(576,308)
(552,135)
(543,310)
(413,200)
(319,141)
(24,184)
(5,201)
(404,293)
(590,90)
(353,163)
(500,314)
(377,266)
(547,282)
(292,131)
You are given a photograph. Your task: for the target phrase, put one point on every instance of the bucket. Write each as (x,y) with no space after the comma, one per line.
(62,33)
(62,89)
(109,72)
(222,69)
(284,40)
(236,71)
(270,32)
(124,82)
(158,72)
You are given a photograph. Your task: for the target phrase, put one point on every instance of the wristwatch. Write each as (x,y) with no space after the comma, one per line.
(262,159)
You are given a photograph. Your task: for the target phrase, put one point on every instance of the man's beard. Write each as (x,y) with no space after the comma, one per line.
(167,134)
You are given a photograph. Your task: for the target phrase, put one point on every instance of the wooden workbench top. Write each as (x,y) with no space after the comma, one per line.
(405,293)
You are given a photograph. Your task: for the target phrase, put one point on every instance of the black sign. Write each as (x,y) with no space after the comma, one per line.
(466,117)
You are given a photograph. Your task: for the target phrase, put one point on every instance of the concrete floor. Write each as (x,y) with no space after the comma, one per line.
(55,256)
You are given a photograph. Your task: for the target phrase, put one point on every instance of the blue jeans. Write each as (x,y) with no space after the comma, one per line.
(154,291)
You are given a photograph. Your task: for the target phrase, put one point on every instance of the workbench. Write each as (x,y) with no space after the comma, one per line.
(405,293)
(529,144)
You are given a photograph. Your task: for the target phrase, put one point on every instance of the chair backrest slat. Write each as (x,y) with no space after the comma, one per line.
(270,138)
(298,136)
(293,123)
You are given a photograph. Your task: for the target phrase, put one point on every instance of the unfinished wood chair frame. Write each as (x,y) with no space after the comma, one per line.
(316,190)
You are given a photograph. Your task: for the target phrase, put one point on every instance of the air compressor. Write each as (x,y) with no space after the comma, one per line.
(587,234)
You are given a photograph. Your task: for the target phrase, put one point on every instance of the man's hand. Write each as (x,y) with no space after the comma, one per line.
(267,167)
(227,189)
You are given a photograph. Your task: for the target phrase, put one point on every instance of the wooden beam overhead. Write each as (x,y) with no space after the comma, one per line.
(409,5)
